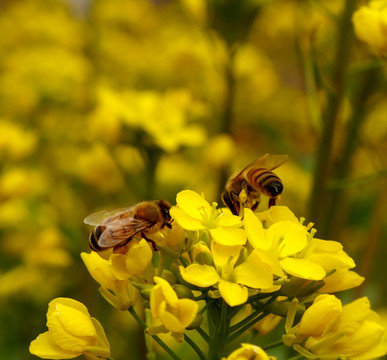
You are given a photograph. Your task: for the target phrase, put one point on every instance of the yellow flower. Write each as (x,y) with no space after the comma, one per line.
(135,263)
(118,292)
(193,213)
(283,243)
(329,331)
(370,23)
(71,333)
(232,281)
(340,280)
(322,316)
(249,352)
(175,314)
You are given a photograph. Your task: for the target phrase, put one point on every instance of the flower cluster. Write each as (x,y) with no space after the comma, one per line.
(211,265)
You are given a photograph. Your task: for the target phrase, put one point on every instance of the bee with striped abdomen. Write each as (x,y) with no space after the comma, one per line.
(244,188)
(115,228)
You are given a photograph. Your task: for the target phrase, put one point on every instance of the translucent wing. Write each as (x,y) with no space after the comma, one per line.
(119,231)
(98,217)
(269,162)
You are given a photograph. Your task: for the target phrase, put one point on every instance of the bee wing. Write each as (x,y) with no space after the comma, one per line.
(269,162)
(98,217)
(119,231)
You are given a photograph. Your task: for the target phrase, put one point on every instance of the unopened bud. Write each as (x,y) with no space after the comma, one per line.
(169,276)
(281,308)
(196,322)
(183,291)
(297,287)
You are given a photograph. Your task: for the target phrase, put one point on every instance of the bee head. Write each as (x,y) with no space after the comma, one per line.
(165,206)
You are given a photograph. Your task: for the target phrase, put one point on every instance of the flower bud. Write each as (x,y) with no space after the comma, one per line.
(183,292)
(196,322)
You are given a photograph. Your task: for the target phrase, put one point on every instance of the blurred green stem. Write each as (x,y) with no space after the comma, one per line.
(194,346)
(359,107)
(323,169)
(227,116)
(374,237)
(154,154)
(155,337)
(272,345)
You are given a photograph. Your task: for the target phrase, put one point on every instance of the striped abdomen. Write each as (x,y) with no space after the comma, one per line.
(265,181)
(94,236)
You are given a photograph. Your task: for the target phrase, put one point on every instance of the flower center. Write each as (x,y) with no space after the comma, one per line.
(210,219)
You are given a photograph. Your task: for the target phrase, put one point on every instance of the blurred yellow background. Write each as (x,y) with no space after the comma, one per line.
(104,103)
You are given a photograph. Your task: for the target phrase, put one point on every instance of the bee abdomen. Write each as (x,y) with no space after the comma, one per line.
(267,181)
(93,239)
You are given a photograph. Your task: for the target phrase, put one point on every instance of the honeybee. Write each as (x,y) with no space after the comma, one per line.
(244,189)
(115,228)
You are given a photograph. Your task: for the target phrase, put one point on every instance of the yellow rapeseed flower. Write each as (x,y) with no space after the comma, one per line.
(71,333)
(370,23)
(328,330)
(194,213)
(174,314)
(231,281)
(283,243)
(117,291)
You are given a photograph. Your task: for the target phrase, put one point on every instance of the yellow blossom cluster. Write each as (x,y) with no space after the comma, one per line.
(210,265)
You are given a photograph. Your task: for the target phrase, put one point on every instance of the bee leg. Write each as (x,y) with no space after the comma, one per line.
(153,244)
(230,201)
(272,202)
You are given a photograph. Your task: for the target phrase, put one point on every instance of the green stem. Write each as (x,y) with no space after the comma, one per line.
(272,345)
(359,105)
(318,201)
(155,337)
(203,334)
(245,327)
(219,335)
(297,357)
(252,318)
(194,346)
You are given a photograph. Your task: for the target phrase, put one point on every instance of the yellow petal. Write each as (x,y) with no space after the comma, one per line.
(288,237)
(192,203)
(98,268)
(253,273)
(248,352)
(228,236)
(169,320)
(271,260)
(167,290)
(185,220)
(68,302)
(224,255)
(254,231)
(233,294)
(44,347)
(138,257)
(229,220)
(276,214)
(368,335)
(200,275)
(119,268)
(187,311)
(74,322)
(62,338)
(354,313)
(156,298)
(341,280)
(323,313)
(303,269)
